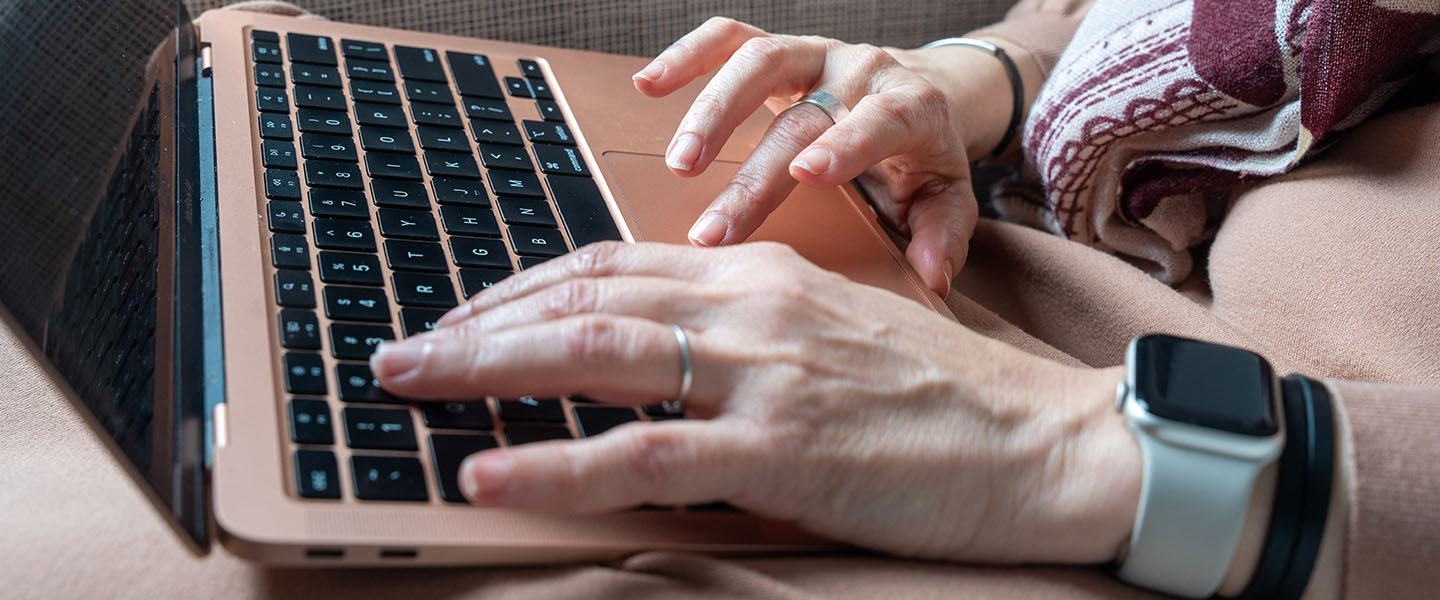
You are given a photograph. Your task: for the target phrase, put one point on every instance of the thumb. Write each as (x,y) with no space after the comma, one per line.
(940,231)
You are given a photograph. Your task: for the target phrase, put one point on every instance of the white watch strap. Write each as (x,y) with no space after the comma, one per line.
(1192,511)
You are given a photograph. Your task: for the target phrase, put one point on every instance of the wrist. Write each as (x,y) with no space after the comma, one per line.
(978,89)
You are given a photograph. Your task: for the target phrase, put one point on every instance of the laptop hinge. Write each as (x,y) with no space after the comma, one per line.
(206,62)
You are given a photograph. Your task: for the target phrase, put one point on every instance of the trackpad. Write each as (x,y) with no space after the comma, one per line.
(825,226)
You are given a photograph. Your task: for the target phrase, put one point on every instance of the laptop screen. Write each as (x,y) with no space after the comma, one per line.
(87,201)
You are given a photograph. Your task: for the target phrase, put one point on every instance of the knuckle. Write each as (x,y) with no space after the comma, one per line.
(871,59)
(573,297)
(589,340)
(721,24)
(709,107)
(745,190)
(765,52)
(595,260)
(903,110)
(651,456)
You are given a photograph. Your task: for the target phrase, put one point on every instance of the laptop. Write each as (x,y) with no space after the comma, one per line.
(213,222)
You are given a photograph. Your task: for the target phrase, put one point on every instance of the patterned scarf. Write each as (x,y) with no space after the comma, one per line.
(1157,110)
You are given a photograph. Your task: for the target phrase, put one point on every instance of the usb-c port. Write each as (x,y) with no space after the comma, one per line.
(398,553)
(325,553)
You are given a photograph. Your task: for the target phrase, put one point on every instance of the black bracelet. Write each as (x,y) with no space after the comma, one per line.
(1302,494)
(1017,86)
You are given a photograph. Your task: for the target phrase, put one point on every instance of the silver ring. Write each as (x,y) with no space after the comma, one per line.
(833,107)
(687,375)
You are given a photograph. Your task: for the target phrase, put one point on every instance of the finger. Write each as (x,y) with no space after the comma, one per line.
(696,53)
(658,299)
(671,462)
(763,67)
(941,226)
(892,122)
(617,359)
(601,259)
(762,182)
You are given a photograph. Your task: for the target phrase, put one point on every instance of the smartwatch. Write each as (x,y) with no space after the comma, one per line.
(1208,421)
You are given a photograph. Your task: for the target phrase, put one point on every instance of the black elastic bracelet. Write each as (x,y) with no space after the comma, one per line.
(1017,86)
(1319,479)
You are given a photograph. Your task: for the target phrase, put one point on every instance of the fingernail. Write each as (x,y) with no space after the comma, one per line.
(651,72)
(709,230)
(949,267)
(455,315)
(683,155)
(816,161)
(485,477)
(397,360)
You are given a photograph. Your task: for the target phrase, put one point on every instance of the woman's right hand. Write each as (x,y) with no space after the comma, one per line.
(915,120)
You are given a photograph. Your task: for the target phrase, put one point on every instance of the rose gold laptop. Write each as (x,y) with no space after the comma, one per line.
(213,237)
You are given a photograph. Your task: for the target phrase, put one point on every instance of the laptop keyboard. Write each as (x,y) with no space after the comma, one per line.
(400,181)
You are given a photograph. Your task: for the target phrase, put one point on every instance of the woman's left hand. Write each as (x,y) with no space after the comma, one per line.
(859,414)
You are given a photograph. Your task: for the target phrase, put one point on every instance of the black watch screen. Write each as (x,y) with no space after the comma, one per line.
(1209,385)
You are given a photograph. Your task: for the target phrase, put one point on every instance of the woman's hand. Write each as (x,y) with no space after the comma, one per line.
(861,415)
(905,137)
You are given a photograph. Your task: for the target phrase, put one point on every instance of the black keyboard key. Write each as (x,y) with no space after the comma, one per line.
(451,164)
(548,132)
(473,281)
(591,421)
(261,35)
(327,173)
(486,131)
(294,289)
(266,52)
(415,321)
(375,70)
(379,428)
(407,224)
(272,99)
(419,63)
(434,114)
(399,194)
(425,91)
(392,166)
(318,50)
(289,251)
(310,422)
(560,160)
(344,234)
(304,373)
(386,140)
(381,115)
(299,329)
(529,408)
(275,127)
(357,384)
(536,242)
(530,68)
(319,120)
(519,87)
(418,289)
(496,156)
(512,183)
(330,202)
(314,75)
(388,478)
(442,138)
(310,96)
(487,108)
(474,76)
(375,92)
(328,147)
(656,411)
(525,211)
(464,220)
(278,154)
(350,268)
(482,253)
(529,434)
(316,474)
(286,216)
(270,75)
(540,88)
(344,303)
(357,342)
(358,49)
(582,208)
(549,110)
(463,192)
(447,452)
(457,415)
(415,256)
(282,184)
(530,262)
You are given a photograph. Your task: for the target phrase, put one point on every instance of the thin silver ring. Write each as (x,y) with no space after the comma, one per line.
(833,107)
(687,374)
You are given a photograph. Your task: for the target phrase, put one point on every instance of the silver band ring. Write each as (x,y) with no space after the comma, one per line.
(687,375)
(833,107)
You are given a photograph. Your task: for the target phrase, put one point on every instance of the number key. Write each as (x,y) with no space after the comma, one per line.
(351,268)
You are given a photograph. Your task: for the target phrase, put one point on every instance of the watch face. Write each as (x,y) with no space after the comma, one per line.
(1205,384)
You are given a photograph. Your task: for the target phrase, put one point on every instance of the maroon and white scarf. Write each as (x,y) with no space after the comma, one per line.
(1157,110)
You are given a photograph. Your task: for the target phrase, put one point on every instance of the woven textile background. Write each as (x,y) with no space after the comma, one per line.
(644,27)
